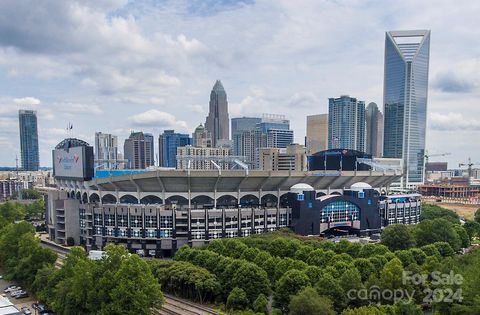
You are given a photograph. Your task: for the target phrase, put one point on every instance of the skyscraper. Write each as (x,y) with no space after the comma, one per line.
(150,140)
(29,140)
(346,123)
(317,133)
(136,150)
(168,142)
(240,125)
(106,150)
(374,119)
(405,100)
(217,122)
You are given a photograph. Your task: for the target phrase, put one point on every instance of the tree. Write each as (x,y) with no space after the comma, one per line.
(463,235)
(132,289)
(397,237)
(309,302)
(444,249)
(431,250)
(431,212)
(35,209)
(11,212)
(406,257)
(351,280)
(260,305)
(365,267)
(330,287)
(391,275)
(437,230)
(252,279)
(237,300)
(289,284)
(472,228)
(418,255)
(477,215)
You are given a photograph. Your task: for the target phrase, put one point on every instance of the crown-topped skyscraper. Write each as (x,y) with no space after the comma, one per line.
(217,122)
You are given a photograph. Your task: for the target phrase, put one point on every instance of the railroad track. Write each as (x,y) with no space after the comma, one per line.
(171,306)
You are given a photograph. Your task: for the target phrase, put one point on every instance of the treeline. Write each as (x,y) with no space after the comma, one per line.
(14,211)
(244,273)
(120,283)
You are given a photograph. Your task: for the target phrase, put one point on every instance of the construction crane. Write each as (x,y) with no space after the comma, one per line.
(469,165)
(427,156)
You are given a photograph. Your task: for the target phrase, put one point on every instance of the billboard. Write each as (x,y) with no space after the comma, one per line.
(73,163)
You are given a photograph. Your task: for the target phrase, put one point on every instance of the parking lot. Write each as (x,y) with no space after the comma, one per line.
(19,303)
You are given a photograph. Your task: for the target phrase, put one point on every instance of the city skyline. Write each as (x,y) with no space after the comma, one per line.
(267,68)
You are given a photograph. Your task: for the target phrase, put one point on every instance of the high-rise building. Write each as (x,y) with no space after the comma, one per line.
(106,150)
(374,119)
(240,125)
(168,142)
(151,141)
(137,151)
(405,100)
(217,122)
(317,133)
(201,137)
(346,123)
(29,140)
(200,158)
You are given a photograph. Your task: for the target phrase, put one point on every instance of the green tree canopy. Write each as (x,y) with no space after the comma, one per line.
(309,302)
(237,300)
(397,237)
(289,284)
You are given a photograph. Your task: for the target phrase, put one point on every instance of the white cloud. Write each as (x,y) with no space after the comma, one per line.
(158,119)
(27,101)
(453,122)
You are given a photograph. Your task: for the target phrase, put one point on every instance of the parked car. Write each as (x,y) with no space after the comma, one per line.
(25,310)
(10,288)
(21,295)
(15,292)
(1,277)
(39,307)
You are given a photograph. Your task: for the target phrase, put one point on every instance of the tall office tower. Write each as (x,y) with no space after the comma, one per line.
(240,125)
(201,137)
(217,122)
(137,150)
(346,123)
(29,140)
(317,133)
(374,119)
(151,148)
(106,150)
(168,142)
(405,91)
(274,131)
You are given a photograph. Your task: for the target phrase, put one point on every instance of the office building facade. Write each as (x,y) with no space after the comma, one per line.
(346,123)
(29,140)
(405,100)
(317,133)
(106,150)
(374,130)
(202,158)
(239,126)
(137,151)
(168,142)
(217,122)
(292,158)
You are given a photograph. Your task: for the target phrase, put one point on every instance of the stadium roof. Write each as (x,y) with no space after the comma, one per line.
(236,180)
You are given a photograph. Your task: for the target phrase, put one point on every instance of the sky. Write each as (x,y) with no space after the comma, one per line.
(116,66)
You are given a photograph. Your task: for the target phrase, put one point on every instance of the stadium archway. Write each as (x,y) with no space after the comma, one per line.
(152,200)
(128,199)
(108,198)
(269,200)
(227,201)
(177,200)
(249,200)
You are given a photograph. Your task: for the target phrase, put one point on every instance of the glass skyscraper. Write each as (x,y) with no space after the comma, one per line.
(168,142)
(28,140)
(405,100)
(346,123)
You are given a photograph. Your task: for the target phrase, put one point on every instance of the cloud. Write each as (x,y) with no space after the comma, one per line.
(27,101)
(453,122)
(450,83)
(158,119)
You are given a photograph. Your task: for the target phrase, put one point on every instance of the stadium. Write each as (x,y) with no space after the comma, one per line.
(156,212)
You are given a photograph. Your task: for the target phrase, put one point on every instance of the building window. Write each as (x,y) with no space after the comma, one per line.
(109,220)
(136,221)
(98,218)
(166,222)
(151,221)
(122,220)
(339,211)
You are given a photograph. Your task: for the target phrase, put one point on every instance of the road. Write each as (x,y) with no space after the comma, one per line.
(171,306)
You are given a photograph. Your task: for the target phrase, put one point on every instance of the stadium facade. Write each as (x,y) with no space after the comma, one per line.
(158,211)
